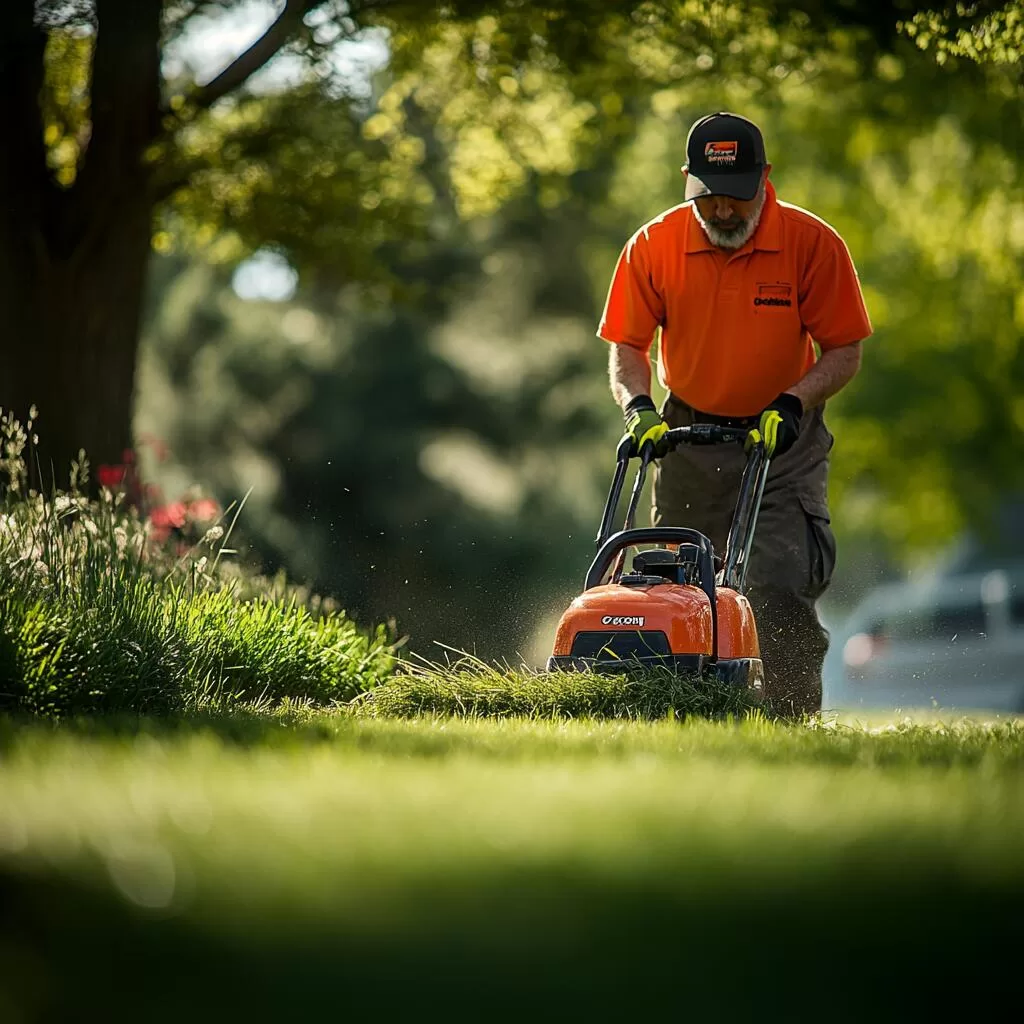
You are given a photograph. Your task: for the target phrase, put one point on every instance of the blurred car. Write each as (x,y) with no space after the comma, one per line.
(951,641)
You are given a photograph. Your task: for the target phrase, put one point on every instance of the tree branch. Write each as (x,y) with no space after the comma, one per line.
(249,62)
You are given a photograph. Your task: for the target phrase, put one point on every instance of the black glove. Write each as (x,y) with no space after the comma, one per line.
(644,423)
(779,425)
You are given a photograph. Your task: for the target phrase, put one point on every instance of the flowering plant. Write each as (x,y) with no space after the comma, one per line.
(117,520)
(184,519)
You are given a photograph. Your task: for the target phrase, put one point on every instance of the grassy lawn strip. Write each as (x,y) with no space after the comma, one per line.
(473,689)
(548,860)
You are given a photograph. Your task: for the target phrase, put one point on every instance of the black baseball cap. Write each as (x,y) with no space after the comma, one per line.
(724,157)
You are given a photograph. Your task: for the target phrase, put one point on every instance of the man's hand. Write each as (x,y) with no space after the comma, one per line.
(644,423)
(779,425)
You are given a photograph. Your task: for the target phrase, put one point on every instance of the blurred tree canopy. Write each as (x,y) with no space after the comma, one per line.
(108,124)
(426,423)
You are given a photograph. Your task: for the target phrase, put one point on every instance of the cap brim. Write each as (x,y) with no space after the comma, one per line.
(736,186)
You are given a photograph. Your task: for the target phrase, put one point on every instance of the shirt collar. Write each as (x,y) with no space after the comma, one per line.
(767,236)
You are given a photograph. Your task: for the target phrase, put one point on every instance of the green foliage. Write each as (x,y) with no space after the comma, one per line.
(987,32)
(96,616)
(149,651)
(510,111)
(65,102)
(80,659)
(293,171)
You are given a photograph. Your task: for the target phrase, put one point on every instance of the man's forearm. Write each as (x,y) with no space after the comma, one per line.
(629,373)
(830,374)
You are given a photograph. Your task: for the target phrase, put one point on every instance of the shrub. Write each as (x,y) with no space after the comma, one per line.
(100,613)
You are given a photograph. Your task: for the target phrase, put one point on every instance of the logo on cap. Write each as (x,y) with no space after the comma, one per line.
(721,152)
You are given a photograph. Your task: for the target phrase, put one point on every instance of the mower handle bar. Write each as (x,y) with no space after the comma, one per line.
(703,433)
(741,531)
(697,433)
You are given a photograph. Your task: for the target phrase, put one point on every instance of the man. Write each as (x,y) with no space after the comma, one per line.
(742,287)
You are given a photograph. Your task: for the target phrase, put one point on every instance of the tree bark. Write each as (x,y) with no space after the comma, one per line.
(73,261)
(70,335)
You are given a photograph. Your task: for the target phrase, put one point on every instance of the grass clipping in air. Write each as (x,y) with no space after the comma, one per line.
(470,688)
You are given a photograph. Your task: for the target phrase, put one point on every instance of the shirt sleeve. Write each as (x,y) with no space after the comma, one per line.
(831,302)
(633,309)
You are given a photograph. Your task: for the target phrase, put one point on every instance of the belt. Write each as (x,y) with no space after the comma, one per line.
(741,422)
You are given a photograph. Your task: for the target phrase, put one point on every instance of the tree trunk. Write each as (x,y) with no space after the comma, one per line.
(73,261)
(69,324)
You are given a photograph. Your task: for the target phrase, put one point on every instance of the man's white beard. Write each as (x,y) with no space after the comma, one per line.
(733,238)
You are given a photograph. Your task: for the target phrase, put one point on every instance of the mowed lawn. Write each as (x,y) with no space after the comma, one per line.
(325,866)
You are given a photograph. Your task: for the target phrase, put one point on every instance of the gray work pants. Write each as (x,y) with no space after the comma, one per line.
(794,550)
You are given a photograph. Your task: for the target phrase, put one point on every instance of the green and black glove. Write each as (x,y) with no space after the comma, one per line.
(644,423)
(779,426)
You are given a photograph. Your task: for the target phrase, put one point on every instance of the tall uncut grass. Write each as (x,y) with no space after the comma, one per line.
(99,613)
(471,688)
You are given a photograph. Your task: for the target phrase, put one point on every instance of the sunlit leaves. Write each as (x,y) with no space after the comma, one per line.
(507,104)
(497,122)
(295,171)
(986,32)
(65,100)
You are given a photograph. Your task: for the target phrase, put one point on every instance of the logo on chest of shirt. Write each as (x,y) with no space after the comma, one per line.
(774,295)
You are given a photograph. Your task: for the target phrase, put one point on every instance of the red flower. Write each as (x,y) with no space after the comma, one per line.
(168,517)
(111,476)
(204,510)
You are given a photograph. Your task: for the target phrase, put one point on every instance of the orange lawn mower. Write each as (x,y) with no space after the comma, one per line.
(681,606)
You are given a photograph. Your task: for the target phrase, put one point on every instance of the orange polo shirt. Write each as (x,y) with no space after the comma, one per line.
(737,328)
